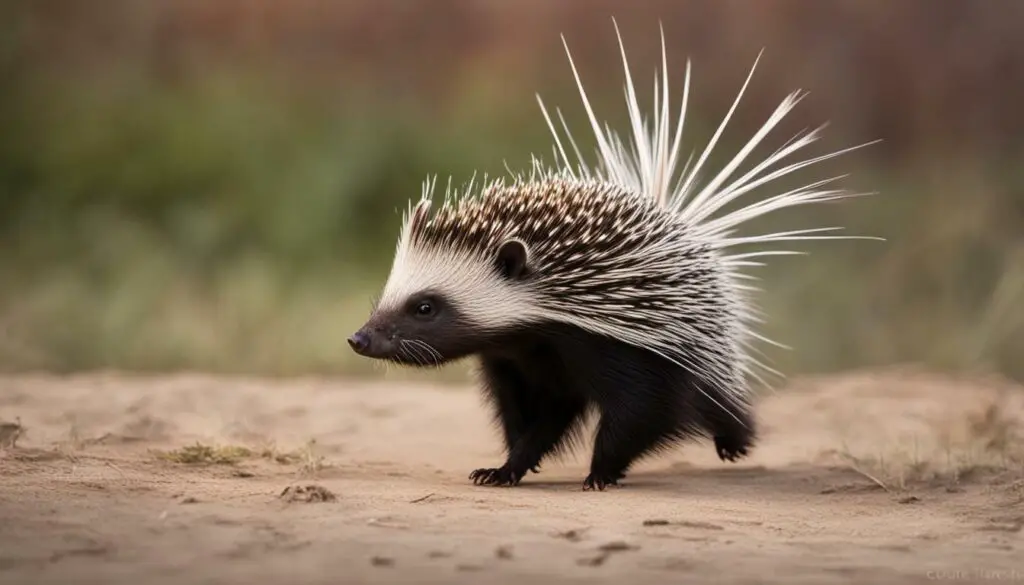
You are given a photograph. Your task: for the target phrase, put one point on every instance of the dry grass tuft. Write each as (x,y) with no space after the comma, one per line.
(270,451)
(201,454)
(311,463)
(999,434)
(10,432)
(991,443)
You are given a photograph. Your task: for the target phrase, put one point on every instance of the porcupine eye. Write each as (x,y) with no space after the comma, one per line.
(513,259)
(424,309)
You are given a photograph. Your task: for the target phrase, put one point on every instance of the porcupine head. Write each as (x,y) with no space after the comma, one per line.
(630,248)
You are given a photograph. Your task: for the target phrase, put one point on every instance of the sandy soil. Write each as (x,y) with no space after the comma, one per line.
(883,477)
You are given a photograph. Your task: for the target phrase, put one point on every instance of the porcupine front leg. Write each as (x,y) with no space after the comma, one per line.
(535,420)
(639,413)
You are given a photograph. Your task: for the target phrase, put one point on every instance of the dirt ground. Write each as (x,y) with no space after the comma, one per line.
(896,476)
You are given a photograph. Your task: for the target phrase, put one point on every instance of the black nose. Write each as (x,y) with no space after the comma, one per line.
(359,341)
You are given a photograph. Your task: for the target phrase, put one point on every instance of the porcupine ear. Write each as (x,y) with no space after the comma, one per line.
(513,259)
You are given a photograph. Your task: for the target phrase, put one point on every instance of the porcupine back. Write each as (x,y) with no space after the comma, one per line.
(602,259)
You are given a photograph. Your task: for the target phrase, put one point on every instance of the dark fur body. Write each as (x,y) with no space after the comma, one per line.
(542,382)
(544,378)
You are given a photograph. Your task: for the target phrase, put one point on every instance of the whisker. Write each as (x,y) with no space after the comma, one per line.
(438,358)
(412,349)
(433,355)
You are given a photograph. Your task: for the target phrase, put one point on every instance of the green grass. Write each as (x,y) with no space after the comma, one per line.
(228,225)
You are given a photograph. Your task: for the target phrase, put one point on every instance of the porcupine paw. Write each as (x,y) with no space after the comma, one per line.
(730,449)
(501,476)
(599,481)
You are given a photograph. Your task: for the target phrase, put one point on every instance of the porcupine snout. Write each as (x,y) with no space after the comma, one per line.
(373,343)
(359,341)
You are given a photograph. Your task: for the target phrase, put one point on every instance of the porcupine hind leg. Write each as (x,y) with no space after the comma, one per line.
(535,417)
(731,426)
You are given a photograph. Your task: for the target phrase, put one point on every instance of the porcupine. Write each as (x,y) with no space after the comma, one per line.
(613,288)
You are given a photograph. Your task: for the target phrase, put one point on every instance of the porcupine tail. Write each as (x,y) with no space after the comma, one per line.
(649,165)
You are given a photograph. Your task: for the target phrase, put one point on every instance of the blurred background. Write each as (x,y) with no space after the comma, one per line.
(217,185)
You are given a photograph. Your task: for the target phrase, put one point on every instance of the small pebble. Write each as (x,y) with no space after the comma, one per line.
(468,568)
(593,561)
(570,535)
(616,546)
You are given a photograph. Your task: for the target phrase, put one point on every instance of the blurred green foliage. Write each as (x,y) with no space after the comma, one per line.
(239,216)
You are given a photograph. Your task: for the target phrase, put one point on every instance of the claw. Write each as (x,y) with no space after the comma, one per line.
(593,482)
(502,476)
(728,452)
